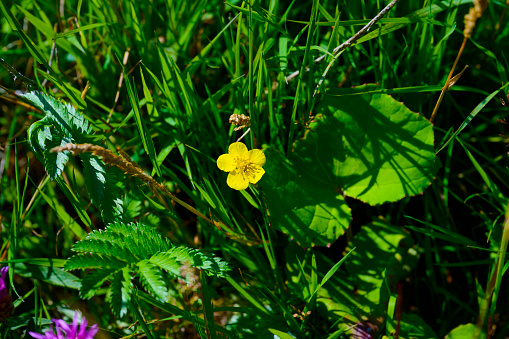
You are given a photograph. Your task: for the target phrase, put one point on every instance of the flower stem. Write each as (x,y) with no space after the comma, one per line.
(493,286)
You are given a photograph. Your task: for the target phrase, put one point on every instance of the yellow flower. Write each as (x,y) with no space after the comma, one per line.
(244,166)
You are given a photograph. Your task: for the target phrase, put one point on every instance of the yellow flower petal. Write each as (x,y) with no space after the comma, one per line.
(237,181)
(256,175)
(237,149)
(226,163)
(257,157)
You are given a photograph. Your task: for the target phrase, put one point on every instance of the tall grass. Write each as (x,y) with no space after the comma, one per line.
(158,81)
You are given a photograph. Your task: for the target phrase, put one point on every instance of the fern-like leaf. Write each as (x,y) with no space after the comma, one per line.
(167,263)
(93,281)
(121,288)
(122,251)
(62,125)
(193,257)
(94,172)
(152,280)
(106,246)
(55,162)
(63,115)
(144,241)
(94,260)
(38,132)
(111,208)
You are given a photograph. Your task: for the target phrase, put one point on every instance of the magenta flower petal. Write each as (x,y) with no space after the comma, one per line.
(38,335)
(76,330)
(3,285)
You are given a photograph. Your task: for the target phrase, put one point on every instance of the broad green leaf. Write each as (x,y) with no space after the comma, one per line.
(49,274)
(281,335)
(359,293)
(306,209)
(462,331)
(370,146)
(378,247)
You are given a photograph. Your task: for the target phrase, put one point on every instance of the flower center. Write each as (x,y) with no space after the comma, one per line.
(245,167)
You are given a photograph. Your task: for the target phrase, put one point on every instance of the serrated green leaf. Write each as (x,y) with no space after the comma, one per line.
(210,264)
(308,210)
(38,132)
(93,260)
(62,114)
(94,172)
(121,287)
(109,247)
(93,281)
(142,240)
(370,146)
(55,162)
(166,262)
(152,280)
(132,207)
(112,205)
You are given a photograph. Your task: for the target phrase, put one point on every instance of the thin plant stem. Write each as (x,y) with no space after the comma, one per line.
(353,39)
(250,79)
(448,81)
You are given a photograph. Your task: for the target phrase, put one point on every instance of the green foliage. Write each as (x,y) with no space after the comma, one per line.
(308,210)
(122,251)
(369,221)
(370,146)
(62,125)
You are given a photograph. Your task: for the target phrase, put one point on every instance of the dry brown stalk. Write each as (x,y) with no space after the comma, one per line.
(473,14)
(129,167)
(339,49)
(470,21)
